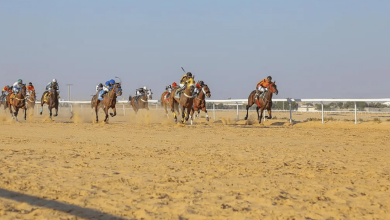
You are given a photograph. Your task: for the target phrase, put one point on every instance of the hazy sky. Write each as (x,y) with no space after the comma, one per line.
(313,49)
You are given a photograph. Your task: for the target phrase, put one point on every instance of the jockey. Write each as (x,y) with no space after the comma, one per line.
(56,86)
(198,87)
(17,86)
(140,91)
(184,79)
(30,87)
(7,89)
(106,88)
(263,85)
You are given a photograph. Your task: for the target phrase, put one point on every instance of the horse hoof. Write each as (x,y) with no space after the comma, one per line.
(40,113)
(207,119)
(245,118)
(55,115)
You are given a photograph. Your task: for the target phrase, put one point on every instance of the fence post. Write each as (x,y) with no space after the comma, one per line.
(289,102)
(214,110)
(238,117)
(355,114)
(322,112)
(71,108)
(124,111)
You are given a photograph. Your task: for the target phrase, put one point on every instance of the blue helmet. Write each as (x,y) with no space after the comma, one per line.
(107,83)
(112,82)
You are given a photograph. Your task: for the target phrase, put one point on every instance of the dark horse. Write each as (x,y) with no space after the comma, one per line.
(186,100)
(200,101)
(262,103)
(141,102)
(51,100)
(109,101)
(18,102)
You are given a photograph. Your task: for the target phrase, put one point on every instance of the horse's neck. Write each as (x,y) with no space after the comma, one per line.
(201,95)
(268,95)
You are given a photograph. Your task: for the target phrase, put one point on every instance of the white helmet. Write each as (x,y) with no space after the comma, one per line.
(145,87)
(54,80)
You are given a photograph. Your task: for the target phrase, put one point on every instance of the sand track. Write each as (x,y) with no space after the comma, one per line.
(147,167)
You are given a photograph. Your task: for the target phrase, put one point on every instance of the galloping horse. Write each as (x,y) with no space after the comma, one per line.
(186,100)
(200,101)
(165,101)
(31,100)
(141,102)
(262,103)
(109,101)
(18,102)
(51,101)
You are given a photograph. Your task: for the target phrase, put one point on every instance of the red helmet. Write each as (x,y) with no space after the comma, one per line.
(174,84)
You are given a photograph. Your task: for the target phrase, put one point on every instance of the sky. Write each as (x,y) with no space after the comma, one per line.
(312,49)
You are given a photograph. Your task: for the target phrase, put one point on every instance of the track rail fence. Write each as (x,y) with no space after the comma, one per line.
(241,102)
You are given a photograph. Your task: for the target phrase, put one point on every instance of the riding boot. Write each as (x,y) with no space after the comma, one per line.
(257,94)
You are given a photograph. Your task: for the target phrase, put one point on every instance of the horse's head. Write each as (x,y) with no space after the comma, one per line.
(206,90)
(54,87)
(32,93)
(190,85)
(118,89)
(149,93)
(273,88)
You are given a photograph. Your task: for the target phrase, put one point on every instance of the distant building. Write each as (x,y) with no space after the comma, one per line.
(306,108)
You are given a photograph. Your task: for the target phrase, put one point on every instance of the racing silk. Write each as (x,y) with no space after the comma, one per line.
(263,83)
(48,86)
(7,89)
(30,88)
(183,79)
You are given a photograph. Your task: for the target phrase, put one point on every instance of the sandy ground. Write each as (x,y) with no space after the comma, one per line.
(148,167)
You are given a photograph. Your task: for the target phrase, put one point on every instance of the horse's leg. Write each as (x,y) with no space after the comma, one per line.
(96,112)
(183,115)
(247,110)
(261,114)
(269,114)
(25,112)
(106,112)
(257,110)
(42,102)
(114,110)
(10,110)
(192,114)
(51,113)
(166,109)
(16,113)
(207,115)
(56,111)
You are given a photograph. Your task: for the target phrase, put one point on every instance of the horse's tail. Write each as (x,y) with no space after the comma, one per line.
(130,98)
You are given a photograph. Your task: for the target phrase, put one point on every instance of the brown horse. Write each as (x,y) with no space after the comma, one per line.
(165,102)
(186,100)
(141,102)
(51,101)
(109,101)
(17,102)
(31,100)
(262,103)
(200,101)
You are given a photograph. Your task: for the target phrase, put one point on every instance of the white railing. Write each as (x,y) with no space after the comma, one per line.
(244,101)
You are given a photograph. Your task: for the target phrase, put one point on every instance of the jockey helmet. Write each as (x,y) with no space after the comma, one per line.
(54,81)
(107,83)
(100,85)
(174,84)
(144,87)
(269,78)
(20,81)
(189,74)
(112,81)
(30,83)
(201,83)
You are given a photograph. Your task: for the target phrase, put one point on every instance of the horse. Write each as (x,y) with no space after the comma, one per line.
(141,102)
(109,101)
(262,103)
(165,101)
(52,101)
(200,101)
(31,100)
(18,101)
(186,100)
